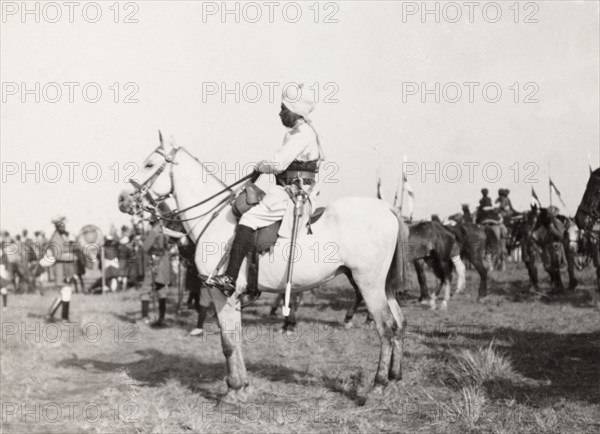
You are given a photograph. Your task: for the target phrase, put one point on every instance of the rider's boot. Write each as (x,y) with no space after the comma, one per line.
(244,237)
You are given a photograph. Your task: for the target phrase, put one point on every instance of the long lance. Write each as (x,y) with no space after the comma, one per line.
(549,185)
(288,286)
(153,288)
(378,173)
(180,278)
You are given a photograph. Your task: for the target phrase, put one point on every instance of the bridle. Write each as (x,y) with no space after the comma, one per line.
(145,200)
(143,191)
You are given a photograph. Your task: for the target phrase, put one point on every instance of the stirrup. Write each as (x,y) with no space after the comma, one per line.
(221,283)
(253,296)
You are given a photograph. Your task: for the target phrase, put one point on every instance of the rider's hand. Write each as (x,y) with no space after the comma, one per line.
(255,175)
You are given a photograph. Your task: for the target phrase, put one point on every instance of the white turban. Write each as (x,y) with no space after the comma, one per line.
(297,100)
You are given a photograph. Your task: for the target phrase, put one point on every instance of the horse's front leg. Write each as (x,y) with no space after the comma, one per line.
(230,324)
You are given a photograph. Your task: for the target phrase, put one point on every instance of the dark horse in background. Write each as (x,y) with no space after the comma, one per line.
(588,216)
(474,241)
(429,242)
(542,234)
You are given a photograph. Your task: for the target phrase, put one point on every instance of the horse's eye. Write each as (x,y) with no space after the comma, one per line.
(149,165)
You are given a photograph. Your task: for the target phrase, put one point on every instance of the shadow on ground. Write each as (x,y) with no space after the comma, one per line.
(154,368)
(562,366)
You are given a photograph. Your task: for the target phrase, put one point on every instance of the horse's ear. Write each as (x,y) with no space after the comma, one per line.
(160,138)
(171,143)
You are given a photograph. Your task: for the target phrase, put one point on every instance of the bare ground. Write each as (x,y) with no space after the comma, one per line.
(516,363)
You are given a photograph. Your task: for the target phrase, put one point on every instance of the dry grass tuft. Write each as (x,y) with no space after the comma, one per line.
(546,420)
(480,366)
(470,409)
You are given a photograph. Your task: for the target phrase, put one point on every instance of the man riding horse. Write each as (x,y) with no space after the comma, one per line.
(295,165)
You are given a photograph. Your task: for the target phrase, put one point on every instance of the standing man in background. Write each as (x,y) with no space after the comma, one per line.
(61,257)
(158,274)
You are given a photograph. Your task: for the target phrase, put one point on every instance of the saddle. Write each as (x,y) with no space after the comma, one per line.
(266,237)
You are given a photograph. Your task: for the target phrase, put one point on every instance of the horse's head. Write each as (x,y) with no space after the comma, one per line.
(588,211)
(152,184)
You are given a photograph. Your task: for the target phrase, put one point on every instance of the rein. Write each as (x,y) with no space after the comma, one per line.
(143,191)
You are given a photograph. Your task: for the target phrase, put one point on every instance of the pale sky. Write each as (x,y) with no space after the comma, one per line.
(364,61)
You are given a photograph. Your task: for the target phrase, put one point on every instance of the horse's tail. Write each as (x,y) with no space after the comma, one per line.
(398,272)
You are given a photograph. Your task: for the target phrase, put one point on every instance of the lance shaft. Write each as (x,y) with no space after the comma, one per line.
(298,203)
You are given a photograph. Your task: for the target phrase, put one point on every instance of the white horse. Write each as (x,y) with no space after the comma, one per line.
(363,236)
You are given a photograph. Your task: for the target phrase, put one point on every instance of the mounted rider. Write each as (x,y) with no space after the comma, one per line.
(504,203)
(485,206)
(296,163)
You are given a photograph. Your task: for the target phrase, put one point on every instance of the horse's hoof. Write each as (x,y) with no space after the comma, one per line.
(235,396)
(373,397)
(289,332)
(229,398)
(243,394)
(432,306)
(444,305)
(348,325)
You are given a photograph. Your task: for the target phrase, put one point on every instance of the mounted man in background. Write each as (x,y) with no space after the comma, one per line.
(504,204)
(485,206)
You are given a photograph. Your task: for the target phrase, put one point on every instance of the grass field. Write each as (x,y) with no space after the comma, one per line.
(516,363)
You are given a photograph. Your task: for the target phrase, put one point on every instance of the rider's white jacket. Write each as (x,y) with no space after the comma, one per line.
(300,143)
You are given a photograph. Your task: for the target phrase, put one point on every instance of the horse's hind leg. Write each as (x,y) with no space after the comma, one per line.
(395,372)
(373,292)
(422,278)
(358,299)
(275,304)
(442,272)
(459,266)
(431,295)
(290,322)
